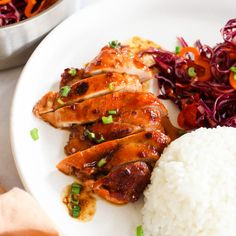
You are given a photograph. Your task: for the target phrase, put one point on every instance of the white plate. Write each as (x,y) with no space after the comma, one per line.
(73,43)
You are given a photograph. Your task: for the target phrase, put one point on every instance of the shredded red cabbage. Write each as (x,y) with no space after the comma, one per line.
(229,32)
(214,99)
(8,14)
(14,11)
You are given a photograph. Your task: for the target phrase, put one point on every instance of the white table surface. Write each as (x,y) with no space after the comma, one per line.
(9,177)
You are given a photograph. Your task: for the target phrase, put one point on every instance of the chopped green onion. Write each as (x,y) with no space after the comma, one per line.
(233,69)
(235,77)
(74,201)
(107,119)
(34,134)
(100,140)
(177,49)
(73,198)
(139,231)
(75,211)
(64,91)
(75,188)
(72,71)
(112,112)
(89,134)
(191,72)
(111,86)
(114,44)
(60,101)
(102,162)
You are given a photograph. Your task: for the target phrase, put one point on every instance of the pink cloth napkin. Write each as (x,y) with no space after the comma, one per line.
(21,215)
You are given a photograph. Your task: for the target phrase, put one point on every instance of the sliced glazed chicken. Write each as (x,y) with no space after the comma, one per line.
(82,137)
(117,129)
(124,184)
(148,118)
(93,109)
(119,59)
(128,152)
(145,145)
(88,88)
(124,124)
(71,76)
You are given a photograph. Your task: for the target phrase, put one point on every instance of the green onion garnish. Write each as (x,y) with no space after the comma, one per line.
(111,86)
(107,119)
(191,72)
(34,134)
(75,211)
(233,69)
(112,112)
(235,77)
(74,201)
(64,91)
(75,188)
(100,140)
(139,231)
(114,44)
(60,101)
(177,49)
(102,162)
(89,134)
(72,71)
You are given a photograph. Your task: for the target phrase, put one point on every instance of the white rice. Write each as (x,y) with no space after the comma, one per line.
(193,186)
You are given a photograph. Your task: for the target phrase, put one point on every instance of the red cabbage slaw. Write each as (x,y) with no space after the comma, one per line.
(207,102)
(13,11)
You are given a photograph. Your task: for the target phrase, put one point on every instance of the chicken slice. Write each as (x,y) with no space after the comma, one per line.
(126,153)
(68,78)
(148,118)
(131,152)
(118,59)
(88,88)
(79,140)
(124,184)
(85,163)
(124,124)
(93,109)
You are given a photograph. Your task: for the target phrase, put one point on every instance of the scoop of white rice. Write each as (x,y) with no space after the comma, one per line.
(193,186)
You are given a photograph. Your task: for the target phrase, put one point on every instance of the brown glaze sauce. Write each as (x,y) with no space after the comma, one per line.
(87,203)
(170,130)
